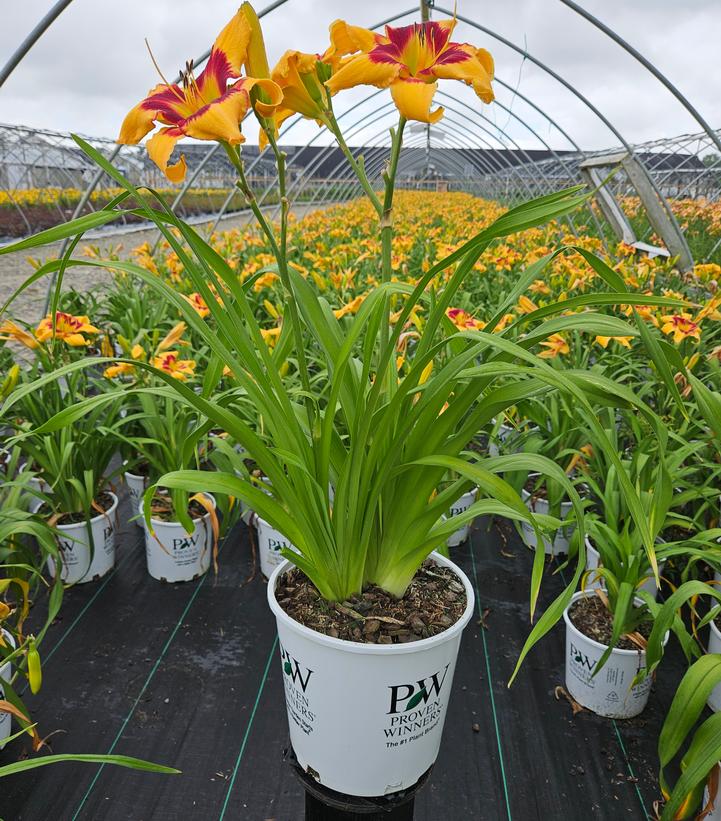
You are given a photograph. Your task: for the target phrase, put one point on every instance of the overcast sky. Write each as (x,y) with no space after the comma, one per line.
(92,66)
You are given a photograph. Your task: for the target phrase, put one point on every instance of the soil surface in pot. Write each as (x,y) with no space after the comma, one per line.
(104,502)
(591,617)
(162,510)
(434,601)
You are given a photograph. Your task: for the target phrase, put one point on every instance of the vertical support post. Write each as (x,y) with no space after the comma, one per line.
(610,209)
(662,220)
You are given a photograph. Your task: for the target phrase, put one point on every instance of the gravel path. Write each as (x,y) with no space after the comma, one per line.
(15,268)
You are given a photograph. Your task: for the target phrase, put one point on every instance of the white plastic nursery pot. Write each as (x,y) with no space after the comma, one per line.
(366,719)
(173,554)
(714,646)
(563,534)
(460,506)
(136,485)
(594,582)
(609,692)
(270,543)
(83,561)
(6,720)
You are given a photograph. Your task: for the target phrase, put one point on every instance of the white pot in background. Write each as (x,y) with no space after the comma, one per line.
(136,485)
(6,720)
(562,535)
(173,554)
(593,582)
(714,646)
(270,543)
(460,506)
(609,692)
(82,559)
(366,719)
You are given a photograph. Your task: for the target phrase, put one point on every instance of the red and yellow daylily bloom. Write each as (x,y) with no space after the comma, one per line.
(210,106)
(681,326)
(68,328)
(197,301)
(555,345)
(410,60)
(464,321)
(10,330)
(179,368)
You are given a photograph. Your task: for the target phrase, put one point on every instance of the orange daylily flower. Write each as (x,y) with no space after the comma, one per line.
(123,368)
(68,328)
(555,345)
(10,330)
(301,77)
(681,326)
(351,307)
(197,301)
(464,321)
(210,106)
(179,368)
(410,60)
(172,338)
(538,286)
(622,340)
(526,305)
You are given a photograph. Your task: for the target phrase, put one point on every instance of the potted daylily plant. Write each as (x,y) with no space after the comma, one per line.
(70,463)
(367,613)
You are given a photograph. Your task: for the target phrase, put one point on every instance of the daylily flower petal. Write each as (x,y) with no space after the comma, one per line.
(362,70)
(160,146)
(413,98)
(345,39)
(140,120)
(473,66)
(220,120)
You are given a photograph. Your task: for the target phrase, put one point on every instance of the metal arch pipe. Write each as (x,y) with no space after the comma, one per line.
(649,66)
(566,84)
(378,164)
(538,168)
(32,38)
(558,158)
(514,143)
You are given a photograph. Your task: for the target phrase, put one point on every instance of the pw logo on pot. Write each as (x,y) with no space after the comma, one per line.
(294,670)
(405,697)
(183,544)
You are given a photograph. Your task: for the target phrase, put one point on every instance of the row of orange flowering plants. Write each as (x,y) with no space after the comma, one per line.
(366,383)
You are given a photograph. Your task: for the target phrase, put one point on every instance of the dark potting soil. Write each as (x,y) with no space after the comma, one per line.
(162,509)
(434,601)
(104,502)
(479,444)
(591,616)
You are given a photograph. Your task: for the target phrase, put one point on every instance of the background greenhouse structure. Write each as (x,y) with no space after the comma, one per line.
(510,151)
